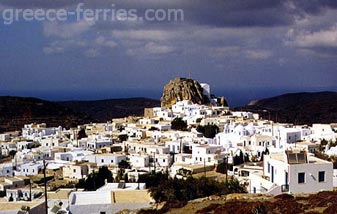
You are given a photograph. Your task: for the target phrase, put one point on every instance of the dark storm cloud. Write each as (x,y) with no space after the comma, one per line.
(314,6)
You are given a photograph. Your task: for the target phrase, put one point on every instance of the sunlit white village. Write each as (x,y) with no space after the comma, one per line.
(42,164)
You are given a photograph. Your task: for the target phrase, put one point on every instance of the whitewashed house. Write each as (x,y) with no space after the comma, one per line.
(75,171)
(323,131)
(105,159)
(6,169)
(292,172)
(230,137)
(139,160)
(6,147)
(208,154)
(162,160)
(30,168)
(285,136)
(145,147)
(95,142)
(24,145)
(175,146)
(256,144)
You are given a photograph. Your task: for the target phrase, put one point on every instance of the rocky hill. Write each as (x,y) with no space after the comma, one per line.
(298,108)
(183,89)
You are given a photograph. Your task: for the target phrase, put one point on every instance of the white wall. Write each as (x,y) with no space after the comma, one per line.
(311,178)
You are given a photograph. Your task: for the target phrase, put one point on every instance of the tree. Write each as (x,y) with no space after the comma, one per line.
(209,131)
(221,168)
(81,134)
(239,159)
(122,137)
(178,124)
(173,189)
(12,153)
(124,164)
(153,128)
(96,180)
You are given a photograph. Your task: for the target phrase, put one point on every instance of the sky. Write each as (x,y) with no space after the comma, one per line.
(245,49)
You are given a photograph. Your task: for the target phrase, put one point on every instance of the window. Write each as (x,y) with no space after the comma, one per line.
(321,176)
(102,160)
(74,170)
(112,161)
(301,177)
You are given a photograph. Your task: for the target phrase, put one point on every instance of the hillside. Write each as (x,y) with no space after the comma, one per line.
(17,111)
(104,110)
(322,202)
(298,108)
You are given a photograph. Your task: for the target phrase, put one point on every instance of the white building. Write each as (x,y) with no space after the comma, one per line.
(139,161)
(323,131)
(95,142)
(292,172)
(111,198)
(207,154)
(206,89)
(145,147)
(257,143)
(75,171)
(285,136)
(105,159)
(24,145)
(6,169)
(37,131)
(31,168)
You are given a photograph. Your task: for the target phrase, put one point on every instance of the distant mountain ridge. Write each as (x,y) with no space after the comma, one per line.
(104,110)
(17,111)
(298,108)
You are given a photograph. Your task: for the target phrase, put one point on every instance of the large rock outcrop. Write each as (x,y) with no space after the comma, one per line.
(183,89)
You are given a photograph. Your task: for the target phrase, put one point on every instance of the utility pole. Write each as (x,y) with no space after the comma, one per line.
(45,186)
(205,167)
(226,169)
(30,190)
(154,161)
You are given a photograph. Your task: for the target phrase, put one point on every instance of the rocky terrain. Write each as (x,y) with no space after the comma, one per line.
(297,108)
(322,202)
(182,89)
